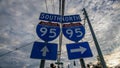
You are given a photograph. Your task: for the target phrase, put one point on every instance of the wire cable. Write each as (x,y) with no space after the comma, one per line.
(46,5)
(17,48)
(53,6)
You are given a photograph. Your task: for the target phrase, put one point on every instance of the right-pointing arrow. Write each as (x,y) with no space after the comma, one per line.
(80,49)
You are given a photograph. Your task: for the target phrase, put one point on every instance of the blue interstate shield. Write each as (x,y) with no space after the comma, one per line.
(48,31)
(73,31)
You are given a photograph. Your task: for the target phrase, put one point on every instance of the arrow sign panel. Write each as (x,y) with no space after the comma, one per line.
(78,50)
(46,51)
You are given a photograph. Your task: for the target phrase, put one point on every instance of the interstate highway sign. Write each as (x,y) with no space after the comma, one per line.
(48,31)
(78,50)
(59,18)
(46,51)
(73,31)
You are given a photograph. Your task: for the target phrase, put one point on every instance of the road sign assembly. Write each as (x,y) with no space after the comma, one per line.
(46,51)
(59,18)
(73,31)
(78,50)
(48,31)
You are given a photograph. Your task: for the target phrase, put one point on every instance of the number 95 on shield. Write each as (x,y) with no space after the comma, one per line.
(73,31)
(48,31)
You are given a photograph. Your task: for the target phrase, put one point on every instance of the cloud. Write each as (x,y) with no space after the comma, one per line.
(18,20)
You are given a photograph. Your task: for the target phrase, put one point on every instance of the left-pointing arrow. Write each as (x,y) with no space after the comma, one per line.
(44,50)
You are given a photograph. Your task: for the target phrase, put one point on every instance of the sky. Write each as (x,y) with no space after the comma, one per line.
(19,18)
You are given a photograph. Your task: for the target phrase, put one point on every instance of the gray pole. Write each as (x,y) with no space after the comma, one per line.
(42,64)
(95,40)
(68,66)
(59,49)
(82,63)
(61,12)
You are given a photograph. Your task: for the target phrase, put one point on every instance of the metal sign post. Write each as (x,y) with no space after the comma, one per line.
(61,12)
(42,64)
(95,40)
(82,63)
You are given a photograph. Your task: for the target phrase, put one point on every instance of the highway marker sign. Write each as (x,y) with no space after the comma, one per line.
(48,31)
(73,31)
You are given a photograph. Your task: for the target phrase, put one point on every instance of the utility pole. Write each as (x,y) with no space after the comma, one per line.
(95,40)
(61,12)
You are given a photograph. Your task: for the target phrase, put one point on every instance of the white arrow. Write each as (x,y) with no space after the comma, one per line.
(81,49)
(44,50)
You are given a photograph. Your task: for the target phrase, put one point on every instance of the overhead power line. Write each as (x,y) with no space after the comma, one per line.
(46,5)
(17,49)
(53,6)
